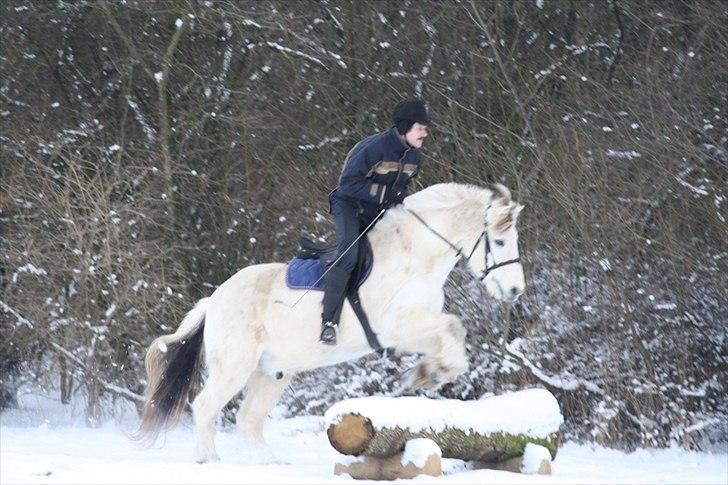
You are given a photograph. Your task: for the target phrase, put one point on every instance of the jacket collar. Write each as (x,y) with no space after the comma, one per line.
(395,141)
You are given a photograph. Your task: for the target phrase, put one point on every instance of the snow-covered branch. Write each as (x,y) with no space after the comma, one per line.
(20,319)
(113,388)
(287,50)
(566,383)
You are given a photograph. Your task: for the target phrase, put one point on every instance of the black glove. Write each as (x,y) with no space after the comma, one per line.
(394,197)
(397,196)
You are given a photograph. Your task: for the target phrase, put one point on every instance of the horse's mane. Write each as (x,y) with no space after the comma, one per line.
(447,196)
(462,199)
(467,199)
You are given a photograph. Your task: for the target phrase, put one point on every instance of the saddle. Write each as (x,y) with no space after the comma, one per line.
(306,269)
(312,260)
(308,249)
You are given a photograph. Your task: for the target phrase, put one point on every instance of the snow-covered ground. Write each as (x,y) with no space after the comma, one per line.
(51,446)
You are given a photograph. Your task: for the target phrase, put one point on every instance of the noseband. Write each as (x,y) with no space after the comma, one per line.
(459,252)
(487,269)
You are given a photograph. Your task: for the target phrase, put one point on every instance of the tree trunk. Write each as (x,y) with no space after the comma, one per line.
(66,382)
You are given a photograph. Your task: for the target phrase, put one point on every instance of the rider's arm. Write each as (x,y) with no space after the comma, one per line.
(355,179)
(399,193)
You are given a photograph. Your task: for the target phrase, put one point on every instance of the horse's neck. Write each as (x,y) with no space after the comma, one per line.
(415,247)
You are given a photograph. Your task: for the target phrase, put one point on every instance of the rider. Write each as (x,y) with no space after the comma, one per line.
(375,177)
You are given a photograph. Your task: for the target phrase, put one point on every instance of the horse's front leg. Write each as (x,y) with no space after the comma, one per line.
(441,337)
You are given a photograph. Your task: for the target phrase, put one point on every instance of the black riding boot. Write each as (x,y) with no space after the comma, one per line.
(335,284)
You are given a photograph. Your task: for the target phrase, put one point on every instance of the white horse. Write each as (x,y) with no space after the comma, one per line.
(254,337)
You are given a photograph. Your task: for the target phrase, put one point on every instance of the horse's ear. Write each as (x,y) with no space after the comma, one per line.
(499,211)
(496,213)
(501,194)
(517,210)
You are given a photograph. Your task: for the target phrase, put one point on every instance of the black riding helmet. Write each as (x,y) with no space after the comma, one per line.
(408,112)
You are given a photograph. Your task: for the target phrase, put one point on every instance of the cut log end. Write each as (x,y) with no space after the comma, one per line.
(352,435)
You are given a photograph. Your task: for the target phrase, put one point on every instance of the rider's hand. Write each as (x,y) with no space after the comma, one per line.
(397,197)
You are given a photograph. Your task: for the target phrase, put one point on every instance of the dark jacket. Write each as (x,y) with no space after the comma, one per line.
(377,171)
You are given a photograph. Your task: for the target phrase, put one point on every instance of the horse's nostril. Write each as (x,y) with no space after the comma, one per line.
(514,291)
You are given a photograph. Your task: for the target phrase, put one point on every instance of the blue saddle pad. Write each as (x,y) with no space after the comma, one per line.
(301,274)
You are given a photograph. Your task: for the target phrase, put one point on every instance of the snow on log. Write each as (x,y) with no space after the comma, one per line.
(488,430)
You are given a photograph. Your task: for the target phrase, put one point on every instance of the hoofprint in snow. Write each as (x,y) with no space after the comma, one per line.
(44,443)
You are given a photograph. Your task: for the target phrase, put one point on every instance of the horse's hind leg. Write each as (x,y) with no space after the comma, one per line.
(262,394)
(225,379)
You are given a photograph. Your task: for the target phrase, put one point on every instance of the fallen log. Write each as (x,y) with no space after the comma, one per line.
(494,429)
(420,457)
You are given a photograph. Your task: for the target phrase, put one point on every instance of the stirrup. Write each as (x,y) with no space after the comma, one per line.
(328,333)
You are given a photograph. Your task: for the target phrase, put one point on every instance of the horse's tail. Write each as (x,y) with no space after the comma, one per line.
(172,362)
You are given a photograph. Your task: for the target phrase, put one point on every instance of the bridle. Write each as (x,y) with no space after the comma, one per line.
(459,251)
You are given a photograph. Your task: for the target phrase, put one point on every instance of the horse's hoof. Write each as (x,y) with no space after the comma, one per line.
(422,378)
(208,459)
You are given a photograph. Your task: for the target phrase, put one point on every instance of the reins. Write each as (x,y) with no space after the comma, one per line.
(459,251)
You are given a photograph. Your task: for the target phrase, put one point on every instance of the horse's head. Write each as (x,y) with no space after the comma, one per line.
(495,258)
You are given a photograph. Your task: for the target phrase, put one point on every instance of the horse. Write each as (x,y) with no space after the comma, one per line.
(254,338)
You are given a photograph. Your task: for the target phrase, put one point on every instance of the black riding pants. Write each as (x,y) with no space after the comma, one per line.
(349,225)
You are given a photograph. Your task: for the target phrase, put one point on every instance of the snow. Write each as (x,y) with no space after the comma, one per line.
(288,50)
(53,446)
(565,381)
(697,190)
(139,116)
(417,451)
(315,146)
(18,317)
(28,268)
(533,456)
(533,412)
(628,154)
(110,311)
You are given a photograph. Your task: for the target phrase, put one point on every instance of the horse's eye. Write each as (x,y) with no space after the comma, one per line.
(499,242)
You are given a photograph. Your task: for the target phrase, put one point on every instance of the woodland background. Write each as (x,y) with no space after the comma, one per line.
(150,149)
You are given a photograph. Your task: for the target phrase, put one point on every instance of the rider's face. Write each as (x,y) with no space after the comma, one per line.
(416,135)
